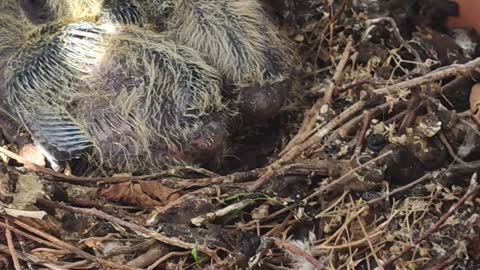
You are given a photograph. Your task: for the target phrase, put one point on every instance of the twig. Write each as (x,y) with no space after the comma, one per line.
(72,248)
(397,34)
(474,187)
(315,139)
(359,83)
(368,238)
(185,183)
(444,263)
(373,234)
(336,79)
(308,125)
(412,107)
(402,188)
(368,116)
(166,257)
(149,257)
(436,75)
(209,217)
(134,227)
(60,177)
(132,249)
(298,252)
(26,235)
(32,258)
(450,150)
(280,227)
(11,248)
(341,180)
(237,177)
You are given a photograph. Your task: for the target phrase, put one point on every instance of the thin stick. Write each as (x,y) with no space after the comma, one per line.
(436,75)
(60,177)
(166,257)
(185,183)
(327,99)
(368,238)
(351,244)
(32,259)
(316,138)
(402,188)
(73,249)
(29,236)
(474,187)
(444,264)
(346,176)
(211,216)
(149,257)
(450,150)
(11,248)
(134,227)
(298,252)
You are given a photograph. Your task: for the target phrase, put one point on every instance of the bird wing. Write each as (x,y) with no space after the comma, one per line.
(55,131)
(46,82)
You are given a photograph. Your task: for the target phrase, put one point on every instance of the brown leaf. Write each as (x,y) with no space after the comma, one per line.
(141,193)
(475,103)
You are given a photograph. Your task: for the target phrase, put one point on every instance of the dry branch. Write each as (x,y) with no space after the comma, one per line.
(11,248)
(436,75)
(135,227)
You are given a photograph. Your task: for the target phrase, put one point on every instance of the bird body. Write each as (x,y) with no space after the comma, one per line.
(138,83)
(131,97)
(234,36)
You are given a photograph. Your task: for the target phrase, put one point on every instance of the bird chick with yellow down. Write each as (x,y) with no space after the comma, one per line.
(116,11)
(234,36)
(129,98)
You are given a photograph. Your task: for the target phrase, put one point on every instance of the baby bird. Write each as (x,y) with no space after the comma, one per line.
(237,38)
(129,97)
(234,36)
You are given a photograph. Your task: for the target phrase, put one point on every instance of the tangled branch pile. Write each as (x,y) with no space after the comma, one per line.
(371,166)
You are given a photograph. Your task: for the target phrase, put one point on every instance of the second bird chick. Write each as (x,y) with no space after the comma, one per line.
(234,36)
(237,37)
(135,99)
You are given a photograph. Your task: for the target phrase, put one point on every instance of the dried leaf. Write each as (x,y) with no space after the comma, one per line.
(141,193)
(48,254)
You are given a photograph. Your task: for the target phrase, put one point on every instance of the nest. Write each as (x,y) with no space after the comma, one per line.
(372,166)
